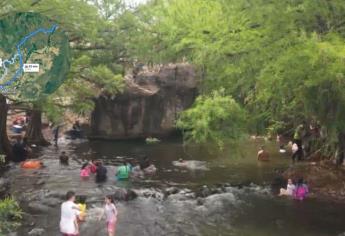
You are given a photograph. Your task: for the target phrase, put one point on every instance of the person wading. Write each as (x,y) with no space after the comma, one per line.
(263,155)
(69,216)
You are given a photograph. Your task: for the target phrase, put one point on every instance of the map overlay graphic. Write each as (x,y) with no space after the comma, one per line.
(34,56)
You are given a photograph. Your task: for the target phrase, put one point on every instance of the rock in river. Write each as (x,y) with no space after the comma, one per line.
(149,105)
(36,232)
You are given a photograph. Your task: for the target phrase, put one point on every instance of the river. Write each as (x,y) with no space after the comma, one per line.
(242,202)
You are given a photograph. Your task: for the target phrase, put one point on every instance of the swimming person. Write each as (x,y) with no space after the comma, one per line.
(101,172)
(290,188)
(85,171)
(110,212)
(123,171)
(64,158)
(301,190)
(263,154)
(144,163)
(69,215)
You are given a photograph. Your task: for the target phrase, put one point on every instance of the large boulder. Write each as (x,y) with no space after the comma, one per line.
(149,105)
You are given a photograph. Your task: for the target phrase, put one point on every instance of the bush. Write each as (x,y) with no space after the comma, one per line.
(213,118)
(10,215)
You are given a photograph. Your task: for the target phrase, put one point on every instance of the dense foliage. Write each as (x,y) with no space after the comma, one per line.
(219,118)
(280,62)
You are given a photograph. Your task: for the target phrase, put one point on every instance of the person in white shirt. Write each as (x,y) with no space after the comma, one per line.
(290,188)
(69,216)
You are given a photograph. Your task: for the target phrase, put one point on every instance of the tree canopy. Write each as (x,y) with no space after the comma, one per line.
(276,63)
(282,61)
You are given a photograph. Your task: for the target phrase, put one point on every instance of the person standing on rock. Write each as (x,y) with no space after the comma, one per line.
(69,216)
(297,139)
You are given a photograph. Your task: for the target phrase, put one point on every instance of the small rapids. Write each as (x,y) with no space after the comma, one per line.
(212,196)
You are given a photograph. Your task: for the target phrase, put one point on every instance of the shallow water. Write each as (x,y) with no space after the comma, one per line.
(250,209)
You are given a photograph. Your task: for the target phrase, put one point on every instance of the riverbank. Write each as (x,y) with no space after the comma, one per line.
(325,180)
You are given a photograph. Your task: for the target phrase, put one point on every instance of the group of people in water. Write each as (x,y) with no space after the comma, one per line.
(123,172)
(73,213)
(298,191)
(302,143)
(73,210)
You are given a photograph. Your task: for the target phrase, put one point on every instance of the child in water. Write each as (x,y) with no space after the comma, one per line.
(301,190)
(110,212)
(82,208)
(85,171)
(290,188)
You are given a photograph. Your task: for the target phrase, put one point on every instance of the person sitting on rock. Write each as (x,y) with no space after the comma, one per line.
(64,159)
(290,188)
(101,172)
(263,155)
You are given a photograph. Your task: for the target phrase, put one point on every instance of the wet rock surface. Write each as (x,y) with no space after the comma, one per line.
(36,232)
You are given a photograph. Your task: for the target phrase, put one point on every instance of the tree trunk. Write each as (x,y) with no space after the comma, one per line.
(5,146)
(34,129)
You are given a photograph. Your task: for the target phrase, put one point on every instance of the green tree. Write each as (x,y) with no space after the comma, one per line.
(214,118)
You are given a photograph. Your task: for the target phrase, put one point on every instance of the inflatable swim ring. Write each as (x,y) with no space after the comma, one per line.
(31,164)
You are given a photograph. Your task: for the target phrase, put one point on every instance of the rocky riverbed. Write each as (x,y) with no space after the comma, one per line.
(229,197)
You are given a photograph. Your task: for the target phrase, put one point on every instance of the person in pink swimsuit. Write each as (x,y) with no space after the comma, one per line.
(110,212)
(85,171)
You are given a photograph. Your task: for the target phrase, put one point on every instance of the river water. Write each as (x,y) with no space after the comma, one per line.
(242,202)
